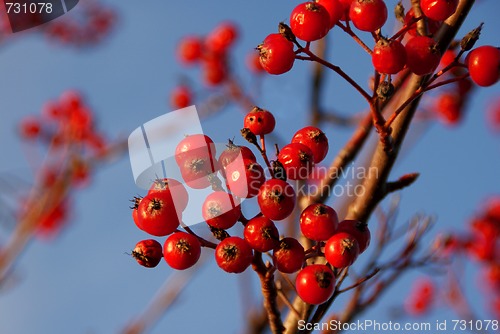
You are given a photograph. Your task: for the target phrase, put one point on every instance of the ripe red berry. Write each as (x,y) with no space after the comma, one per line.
(261,234)
(318,222)
(315,139)
(484,65)
(30,128)
(135,216)
(438,10)
(259,121)
(147,253)
(214,72)
(449,107)
(276,54)
(202,144)
(334,8)
(196,167)
(221,210)
(234,152)
(244,178)
(157,214)
(341,250)
(276,199)
(233,255)
(174,189)
(181,250)
(432,25)
(309,21)
(297,159)
(289,255)
(389,56)
(368,15)
(222,37)
(422,55)
(315,284)
(190,49)
(358,230)
(346,5)
(180,97)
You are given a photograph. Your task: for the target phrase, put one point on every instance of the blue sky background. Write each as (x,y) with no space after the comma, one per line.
(83,282)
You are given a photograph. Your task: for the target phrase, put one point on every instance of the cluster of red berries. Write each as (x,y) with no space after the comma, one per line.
(67,128)
(421,298)
(211,52)
(159,213)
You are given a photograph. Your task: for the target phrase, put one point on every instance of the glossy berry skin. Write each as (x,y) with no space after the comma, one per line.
(233,255)
(432,25)
(259,121)
(389,57)
(261,234)
(438,10)
(422,56)
(190,50)
(174,188)
(318,222)
(484,65)
(196,166)
(315,284)
(276,199)
(221,210)
(315,139)
(358,230)
(202,144)
(147,253)
(334,8)
(276,54)
(157,214)
(368,15)
(309,21)
(289,256)
(244,178)
(233,152)
(297,159)
(341,250)
(181,250)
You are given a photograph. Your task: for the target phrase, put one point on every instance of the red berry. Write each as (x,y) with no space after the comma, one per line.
(484,65)
(334,8)
(222,37)
(233,255)
(346,5)
(368,15)
(180,97)
(310,21)
(203,145)
(30,128)
(196,167)
(276,54)
(289,256)
(174,189)
(244,178)
(432,25)
(221,210)
(389,56)
(276,199)
(214,72)
(259,121)
(438,10)
(135,216)
(449,107)
(315,139)
(253,62)
(190,49)
(261,234)
(158,215)
(358,230)
(341,250)
(181,250)
(147,253)
(318,222)
(422,55)
(234,152)
(315,284)
(297,159)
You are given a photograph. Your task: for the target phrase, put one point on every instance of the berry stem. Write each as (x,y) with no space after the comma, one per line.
(347,29)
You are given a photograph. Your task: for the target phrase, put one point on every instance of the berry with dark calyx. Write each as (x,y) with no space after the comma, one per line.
(135,217)
(244,178)
(422,55)
(389,56)
(334,8)
(202,144)
(484,65)
(261,234)
(147,253)
(276,54)
(358,230)
(318,222)
(276,199)
(233,255)
(196,167)
(157,214)
(259,121)
(190,49)
(341,250)
(278,170)
(233,152)
(181,250)
(221,210)
(297,159)
(289,255)
(253,63)
(438,10)
(173,187)
(315,283)
(315,139)
(368,15)
(310,21)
